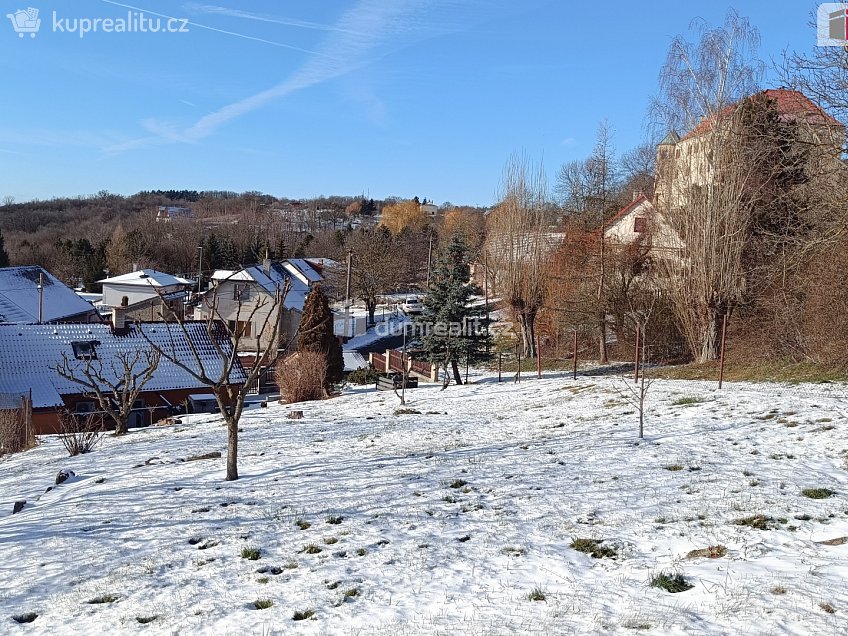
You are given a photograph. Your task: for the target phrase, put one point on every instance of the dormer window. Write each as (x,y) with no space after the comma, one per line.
(85,350)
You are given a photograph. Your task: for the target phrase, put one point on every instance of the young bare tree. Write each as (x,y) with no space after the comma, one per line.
(115,383)
(225,375)
(518,245)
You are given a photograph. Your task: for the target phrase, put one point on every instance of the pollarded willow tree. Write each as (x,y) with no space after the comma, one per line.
(518,245)
(709,183)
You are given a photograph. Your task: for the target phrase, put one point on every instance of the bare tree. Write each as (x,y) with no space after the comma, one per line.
(518,244)
(374,270)
(115,384)
(226,377)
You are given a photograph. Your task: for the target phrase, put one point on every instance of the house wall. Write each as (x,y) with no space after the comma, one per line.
(114,292)
(227,309)
(662,237)
(47,422)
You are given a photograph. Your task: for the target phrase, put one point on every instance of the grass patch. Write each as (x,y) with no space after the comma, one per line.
(351,593)
(513,552)
(818,493)
(673,467)
(331,540)
(712,552)
(263,603)
(290,565)
(458,483)
(311,548)
(758,522)
(687,401)
(407,412)
(103,598)
(536,594)
(361,552)
(672,583)
(263,580)
(303,524)
(827,607)
(144,620)
(335,520)
(593,548)
(754,371)
(304,615)
(251,554)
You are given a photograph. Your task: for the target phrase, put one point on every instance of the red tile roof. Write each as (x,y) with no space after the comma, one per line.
(624,211)
(791,105)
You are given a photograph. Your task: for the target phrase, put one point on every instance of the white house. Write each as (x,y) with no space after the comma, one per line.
(141,286)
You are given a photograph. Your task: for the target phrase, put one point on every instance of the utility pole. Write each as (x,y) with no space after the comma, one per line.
(199,267)
(40,297)
(347,291)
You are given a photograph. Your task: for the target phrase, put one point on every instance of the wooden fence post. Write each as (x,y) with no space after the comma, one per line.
(538,356)
(723,344)
(636,361)
(574,370)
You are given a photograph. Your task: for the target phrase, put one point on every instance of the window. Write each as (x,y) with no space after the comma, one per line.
(640,224)
(240,328)
(241,293)
(85,350)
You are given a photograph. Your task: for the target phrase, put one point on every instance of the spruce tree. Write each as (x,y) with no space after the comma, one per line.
(452,330)
(316,333)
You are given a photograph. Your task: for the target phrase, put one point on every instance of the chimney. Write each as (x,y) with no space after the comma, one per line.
(266,264)
(119,318)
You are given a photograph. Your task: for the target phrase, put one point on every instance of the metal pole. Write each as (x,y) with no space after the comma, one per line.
(538,356)
(486,291)
(467,362)
(40,297)
(574,370)
(500,356)
(636,361)
(518,357)
(403,367)
(347,292)
(723,345)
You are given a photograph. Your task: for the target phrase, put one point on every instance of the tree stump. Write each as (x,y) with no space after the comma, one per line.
(295,415)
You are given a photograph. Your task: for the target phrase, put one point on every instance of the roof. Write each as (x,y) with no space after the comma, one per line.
(19,296)
(303,269)
(791,106)
(147,277)
(29,354)
(670,139)
(627,209)
(274,279)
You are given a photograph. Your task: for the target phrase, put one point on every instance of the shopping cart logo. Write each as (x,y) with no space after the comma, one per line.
(25,21)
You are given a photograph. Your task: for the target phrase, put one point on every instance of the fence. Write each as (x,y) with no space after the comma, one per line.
(16,432)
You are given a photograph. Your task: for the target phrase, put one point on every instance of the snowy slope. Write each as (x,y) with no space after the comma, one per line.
(544,462)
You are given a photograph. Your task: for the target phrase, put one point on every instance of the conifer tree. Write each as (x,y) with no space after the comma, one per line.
(4,257)
(452,329)
(316,333)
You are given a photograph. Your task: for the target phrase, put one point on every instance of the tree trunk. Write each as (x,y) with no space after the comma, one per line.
(120,426)
(711,342)
(232,448)
(456,375)
(371,306)
(526,321)
(602,340)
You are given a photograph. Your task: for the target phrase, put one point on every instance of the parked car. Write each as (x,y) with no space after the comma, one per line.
(412,306)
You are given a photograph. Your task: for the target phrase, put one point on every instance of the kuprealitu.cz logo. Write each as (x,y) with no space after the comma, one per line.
(832,24)
(28,22)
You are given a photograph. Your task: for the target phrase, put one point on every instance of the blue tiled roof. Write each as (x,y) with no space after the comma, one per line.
(19,296)
(30,353)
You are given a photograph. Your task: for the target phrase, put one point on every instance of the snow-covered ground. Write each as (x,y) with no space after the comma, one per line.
(445,521)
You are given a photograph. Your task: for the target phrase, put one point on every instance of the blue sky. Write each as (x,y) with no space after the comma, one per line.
(299,99)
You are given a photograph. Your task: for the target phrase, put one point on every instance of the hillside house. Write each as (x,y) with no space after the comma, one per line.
(29,355)
(31,294)
(640,222)
(146,294)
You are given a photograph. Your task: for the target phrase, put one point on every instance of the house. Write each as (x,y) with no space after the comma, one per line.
(235,295)
(31,294)
(29,355)
(688,154)
(171,212)
(640,222)
(146,294)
